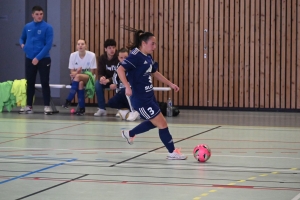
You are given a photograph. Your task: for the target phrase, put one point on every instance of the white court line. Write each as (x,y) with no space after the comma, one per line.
(117,150)
(296,197)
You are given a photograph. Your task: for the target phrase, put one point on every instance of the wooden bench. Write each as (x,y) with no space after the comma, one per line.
(61,86)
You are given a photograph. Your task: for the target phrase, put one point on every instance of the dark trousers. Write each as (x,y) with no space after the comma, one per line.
(100,93)
(119,100)
(31,70)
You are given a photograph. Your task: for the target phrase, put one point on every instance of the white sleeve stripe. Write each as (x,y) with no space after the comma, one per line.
(131,63)
(135,51)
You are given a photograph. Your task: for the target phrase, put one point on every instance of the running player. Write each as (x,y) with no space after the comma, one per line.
(139,67)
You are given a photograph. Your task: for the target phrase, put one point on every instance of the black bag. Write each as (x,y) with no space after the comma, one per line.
(163,108)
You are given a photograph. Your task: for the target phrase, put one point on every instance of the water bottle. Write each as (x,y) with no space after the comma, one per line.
(169,108)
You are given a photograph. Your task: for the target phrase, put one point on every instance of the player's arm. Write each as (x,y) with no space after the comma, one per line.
(23,38)
(163,79)
(101,69)
(122,76)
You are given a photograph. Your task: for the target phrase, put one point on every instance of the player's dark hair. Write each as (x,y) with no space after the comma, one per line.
(123,50)
(82,40)
(110,42)
(139,37)
(36,8)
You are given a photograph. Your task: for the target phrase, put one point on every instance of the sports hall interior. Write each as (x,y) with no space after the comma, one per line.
(237,64)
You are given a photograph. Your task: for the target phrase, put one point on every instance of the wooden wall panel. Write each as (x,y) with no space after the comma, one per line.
(251,59)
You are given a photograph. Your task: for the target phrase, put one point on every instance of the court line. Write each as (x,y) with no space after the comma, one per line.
(296,197)
(29,195)
(159,183)
(42,133)
(36,171)
(164,146)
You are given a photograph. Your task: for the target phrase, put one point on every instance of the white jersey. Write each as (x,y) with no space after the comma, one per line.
(87,63)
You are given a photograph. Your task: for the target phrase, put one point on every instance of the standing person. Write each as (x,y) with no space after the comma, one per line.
(107,65)
(120,100)
(36,41)
(82,65)
(139,67)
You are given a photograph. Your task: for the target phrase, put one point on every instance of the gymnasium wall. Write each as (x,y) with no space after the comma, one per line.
(221,53)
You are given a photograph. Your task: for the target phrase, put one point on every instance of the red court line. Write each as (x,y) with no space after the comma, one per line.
(42,133)
(161,184)
(288,152)
(89,152)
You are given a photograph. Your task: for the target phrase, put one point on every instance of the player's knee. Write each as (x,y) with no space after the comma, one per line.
(81,85)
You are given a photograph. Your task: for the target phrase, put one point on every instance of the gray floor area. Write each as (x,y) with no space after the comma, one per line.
(255,155)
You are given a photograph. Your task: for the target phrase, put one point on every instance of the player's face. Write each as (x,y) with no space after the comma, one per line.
(150,45)
(110,50)
(81,46)
(122,56)
(37,16)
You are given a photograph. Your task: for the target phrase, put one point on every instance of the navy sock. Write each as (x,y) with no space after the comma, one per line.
(167,139)
(73,90)
(141,128)
(81,99)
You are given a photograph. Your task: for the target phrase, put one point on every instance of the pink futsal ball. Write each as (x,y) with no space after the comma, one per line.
(72,111)
(202,152)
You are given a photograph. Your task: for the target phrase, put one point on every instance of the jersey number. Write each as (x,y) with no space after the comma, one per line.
(150,110)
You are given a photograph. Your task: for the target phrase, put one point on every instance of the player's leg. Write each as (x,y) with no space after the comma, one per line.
(30,74)
(133,115)
(119,102)
(44,66)
(100,98)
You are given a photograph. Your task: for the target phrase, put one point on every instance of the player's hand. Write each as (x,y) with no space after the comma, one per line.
(22,46)
(79,70)
(35,61)
(102,80)
(128,91)
(174,87)
(113,86)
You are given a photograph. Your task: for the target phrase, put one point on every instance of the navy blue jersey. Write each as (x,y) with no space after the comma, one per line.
(116,80)
(139,68)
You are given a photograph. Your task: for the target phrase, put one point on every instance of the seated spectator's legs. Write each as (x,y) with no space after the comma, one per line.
(100,94)
(119,100)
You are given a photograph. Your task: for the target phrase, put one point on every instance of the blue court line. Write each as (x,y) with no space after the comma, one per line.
(37,171)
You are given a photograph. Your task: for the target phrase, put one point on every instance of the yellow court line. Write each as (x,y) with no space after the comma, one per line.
(251,178)
(263,175)
(241,181)
(231,183)
(274,172)
(293,168)
(212,191)
(204,194)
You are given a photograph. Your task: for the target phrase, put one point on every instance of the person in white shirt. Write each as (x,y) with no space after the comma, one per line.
(80,62)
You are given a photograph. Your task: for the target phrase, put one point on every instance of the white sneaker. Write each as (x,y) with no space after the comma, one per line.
(125,134)
(176,155)
(26,110)
(123,114)
(132,116)
(48,110)
(100,112)
(118,114)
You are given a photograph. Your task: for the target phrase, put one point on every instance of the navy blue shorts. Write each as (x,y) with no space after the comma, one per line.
(147,110)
